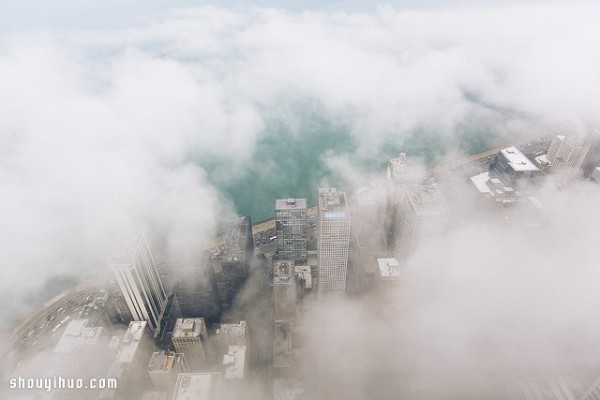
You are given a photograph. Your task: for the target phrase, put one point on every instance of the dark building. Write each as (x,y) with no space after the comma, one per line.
(292,230)
(196,290)
(167,322)
(231,270)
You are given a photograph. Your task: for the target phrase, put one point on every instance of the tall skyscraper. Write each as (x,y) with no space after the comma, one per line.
(333,240)
(399,177)
(292,229)
(564,153)
(232,270)
(138,278)
(196,289)
(591,153)
(189,337)
(424,217)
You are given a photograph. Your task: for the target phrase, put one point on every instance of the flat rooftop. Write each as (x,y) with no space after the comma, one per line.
(290,204)
(76,334)
(388,267)
(234,362)
(189,328)
(283,271)
(161,362)
(332,203)
(517,160)
(131,341)
(198,386)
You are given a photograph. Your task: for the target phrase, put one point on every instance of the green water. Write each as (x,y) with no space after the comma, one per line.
(289,157)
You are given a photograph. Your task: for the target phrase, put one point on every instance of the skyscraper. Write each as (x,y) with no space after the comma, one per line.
(138,278)
(564,153)
(424,217)
(292,232)
(333,240)
(196,289)
(232,270)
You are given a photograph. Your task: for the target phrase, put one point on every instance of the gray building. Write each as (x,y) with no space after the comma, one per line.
(292,229)
(196,289)
(333,242)
(513,168)
(424,217)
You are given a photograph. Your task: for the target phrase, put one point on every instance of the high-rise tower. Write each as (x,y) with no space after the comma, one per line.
(292,233)
(138,278)
(333,240)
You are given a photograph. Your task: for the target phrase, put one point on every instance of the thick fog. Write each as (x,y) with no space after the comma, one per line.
(108,129)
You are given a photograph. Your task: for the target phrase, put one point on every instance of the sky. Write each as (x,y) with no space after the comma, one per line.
(120,115)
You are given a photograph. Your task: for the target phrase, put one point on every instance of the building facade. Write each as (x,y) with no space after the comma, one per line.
(424,217)
(189,337)
(333,242)
(292,229)
(138,279)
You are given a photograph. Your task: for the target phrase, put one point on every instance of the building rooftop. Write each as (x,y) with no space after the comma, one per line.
(234,362)
(332,203)
(290,204)
(77,333)
(303,272)
(388,267)
(283,271)
(427,200)
(397,166)
(161,362)
(235,246)
(517,160)
(196,386)
(189,328)
(126,252)
(131,341)
(232,330)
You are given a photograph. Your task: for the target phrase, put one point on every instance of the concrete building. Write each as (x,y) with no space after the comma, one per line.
(133,349)
(399,177)
(369,212)
(232,269)
(564,153)
(424,217)
(284,290)
(139,281)
(230,335)
(163,369)
(333,241)
(590,158)
(197,386)
(189,337)
(513,168)
(291,224)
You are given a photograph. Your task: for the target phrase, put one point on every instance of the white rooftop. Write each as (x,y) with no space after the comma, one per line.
(196,386)
(388,267)
(189,328)
(131,341)
(77,333)
(234,362)
(517,160)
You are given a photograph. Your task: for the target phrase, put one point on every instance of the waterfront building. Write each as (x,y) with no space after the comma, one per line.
(513,168)
(564,153)
(138,279)
(292,229)
(284,290)
(333,241)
